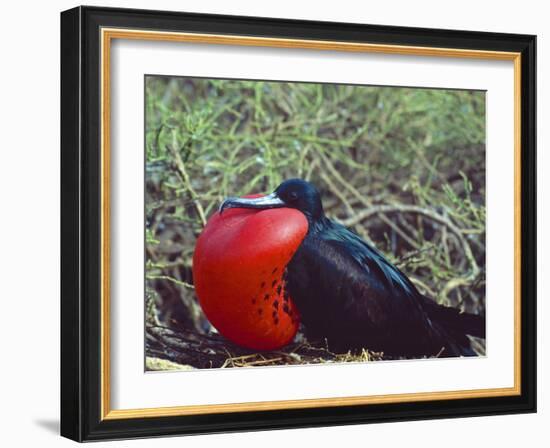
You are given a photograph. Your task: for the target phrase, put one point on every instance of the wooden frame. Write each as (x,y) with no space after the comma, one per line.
(86,34)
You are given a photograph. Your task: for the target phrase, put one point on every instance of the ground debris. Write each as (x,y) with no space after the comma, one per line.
(182,348)
(160,364)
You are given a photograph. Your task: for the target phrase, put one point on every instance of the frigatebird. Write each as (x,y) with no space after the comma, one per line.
(351,297)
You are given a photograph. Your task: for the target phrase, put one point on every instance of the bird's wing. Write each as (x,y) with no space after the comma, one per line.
(349,293)
(369,258)
(335,271)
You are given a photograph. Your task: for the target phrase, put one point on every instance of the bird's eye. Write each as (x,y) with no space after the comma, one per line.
(293,195)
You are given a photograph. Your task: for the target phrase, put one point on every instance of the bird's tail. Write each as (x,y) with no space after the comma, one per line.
(453,349)
(455,325)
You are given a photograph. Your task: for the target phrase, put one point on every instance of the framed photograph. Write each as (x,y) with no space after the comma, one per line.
(273,224)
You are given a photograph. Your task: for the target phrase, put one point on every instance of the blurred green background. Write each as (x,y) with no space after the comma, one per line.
(403,167)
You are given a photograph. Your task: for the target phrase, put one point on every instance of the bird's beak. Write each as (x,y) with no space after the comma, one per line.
(268,201)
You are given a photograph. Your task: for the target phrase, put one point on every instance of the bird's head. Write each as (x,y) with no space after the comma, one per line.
(292,193)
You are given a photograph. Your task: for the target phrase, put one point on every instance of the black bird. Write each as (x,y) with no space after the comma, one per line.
(351,296)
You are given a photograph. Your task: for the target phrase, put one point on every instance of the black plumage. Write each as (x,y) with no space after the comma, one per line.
(352,297)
